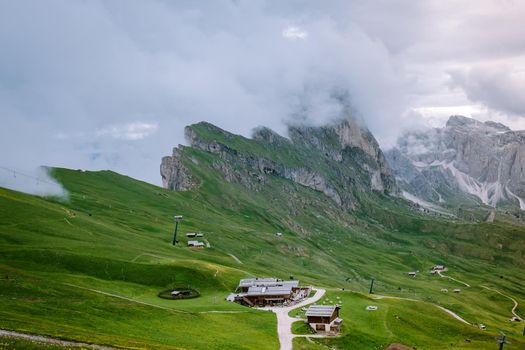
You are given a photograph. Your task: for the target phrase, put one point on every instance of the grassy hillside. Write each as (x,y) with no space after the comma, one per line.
(90,268)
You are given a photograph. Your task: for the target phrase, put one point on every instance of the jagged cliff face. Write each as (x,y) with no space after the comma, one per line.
(466,160)
(343,161)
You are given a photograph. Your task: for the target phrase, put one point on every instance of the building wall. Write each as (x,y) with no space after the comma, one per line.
(320,327)
(266,299)
(318,319)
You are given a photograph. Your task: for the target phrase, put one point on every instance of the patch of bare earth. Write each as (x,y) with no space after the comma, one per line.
(397,346)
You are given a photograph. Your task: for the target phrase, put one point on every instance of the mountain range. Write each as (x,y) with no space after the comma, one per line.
(464,162)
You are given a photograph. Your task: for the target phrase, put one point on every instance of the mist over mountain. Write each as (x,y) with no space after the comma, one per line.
(467,161)
(111,84)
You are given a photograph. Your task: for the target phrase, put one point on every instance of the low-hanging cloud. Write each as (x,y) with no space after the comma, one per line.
(111,84)
(130,131)
(35,181)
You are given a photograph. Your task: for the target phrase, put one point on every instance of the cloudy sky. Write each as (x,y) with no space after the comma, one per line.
(111,84)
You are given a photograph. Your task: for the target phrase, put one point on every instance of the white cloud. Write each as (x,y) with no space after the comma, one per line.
(32,180)
(88,83)
(294,33)
(436,116)
(130,131)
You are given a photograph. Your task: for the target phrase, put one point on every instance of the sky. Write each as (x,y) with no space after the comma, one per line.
(111,84)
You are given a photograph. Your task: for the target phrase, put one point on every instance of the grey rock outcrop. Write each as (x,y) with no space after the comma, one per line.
(340,160)
(175,176)
(466,160)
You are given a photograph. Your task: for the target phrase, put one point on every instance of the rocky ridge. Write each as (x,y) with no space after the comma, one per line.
(343,160)
(465,161)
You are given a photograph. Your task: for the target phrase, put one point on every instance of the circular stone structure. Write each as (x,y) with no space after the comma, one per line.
(179,293)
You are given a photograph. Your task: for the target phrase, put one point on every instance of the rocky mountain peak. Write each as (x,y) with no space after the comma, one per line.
(497,126)
(465,161)
(461,121)
(267,135)
(458,122)
(341,160)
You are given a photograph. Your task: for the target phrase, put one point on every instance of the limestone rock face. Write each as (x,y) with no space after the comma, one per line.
(467,160)
(343,160)
(175,175)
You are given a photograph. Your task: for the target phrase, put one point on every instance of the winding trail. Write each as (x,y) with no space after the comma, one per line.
(284,322)
(149,254)
(56,341)
(453,279)
(453,314)
(450,312)
(513,310)
(235,258)
(128,299)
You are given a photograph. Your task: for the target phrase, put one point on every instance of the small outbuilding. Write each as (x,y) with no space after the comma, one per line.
(191,234)
(199,234)
(457,290)
(412,274)
(324,318)
(279,234)
(195,244)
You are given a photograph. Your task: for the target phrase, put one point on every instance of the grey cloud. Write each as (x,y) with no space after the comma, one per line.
(499,88)
(78,77)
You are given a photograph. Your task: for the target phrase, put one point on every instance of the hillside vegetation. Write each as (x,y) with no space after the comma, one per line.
(90,268)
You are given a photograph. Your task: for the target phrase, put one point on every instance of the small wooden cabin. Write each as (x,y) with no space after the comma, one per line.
(324,318)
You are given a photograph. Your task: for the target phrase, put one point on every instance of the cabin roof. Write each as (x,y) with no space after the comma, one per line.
(267,282)
(321,310)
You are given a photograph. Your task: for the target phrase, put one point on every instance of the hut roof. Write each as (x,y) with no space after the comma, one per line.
(321,310)
(267,282)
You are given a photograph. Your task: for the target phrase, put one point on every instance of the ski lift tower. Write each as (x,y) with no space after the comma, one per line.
(177,218)
(502,340)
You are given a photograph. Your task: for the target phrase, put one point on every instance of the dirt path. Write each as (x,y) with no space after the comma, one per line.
(513,311)
(48,340)
(128,299)
(450,312)
(235,258)
(453,279)
(152,255)
(284,322)
(453,314)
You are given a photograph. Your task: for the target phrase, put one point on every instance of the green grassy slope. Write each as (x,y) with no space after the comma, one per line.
(90,268)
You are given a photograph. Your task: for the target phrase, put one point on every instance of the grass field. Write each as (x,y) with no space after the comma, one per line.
(90,268)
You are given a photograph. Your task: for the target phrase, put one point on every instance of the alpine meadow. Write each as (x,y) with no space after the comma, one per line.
(262,175)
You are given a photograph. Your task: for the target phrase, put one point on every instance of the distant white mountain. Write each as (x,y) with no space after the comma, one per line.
(465,161)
